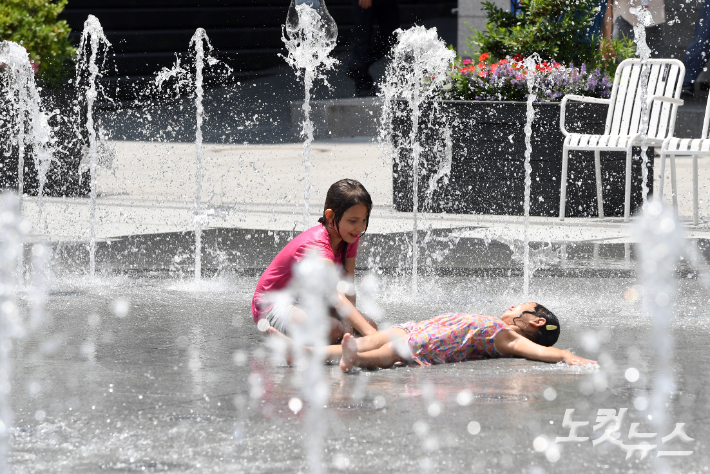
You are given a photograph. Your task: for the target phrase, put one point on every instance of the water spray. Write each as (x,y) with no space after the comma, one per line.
(419,66)
(30,124)
(93,39)
(530,66)
(12,232)
(310,35)
(661,242)
(203,48)
(313,285)
(644,19)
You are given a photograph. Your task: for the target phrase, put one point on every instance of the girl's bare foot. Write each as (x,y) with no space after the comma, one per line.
(349,346)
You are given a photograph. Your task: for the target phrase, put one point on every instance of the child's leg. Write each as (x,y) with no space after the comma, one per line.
(368,343)
(332,353)
(383,357)
(379,339)
(363,344)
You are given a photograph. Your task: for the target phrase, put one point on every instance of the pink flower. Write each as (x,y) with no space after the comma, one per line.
(466,61)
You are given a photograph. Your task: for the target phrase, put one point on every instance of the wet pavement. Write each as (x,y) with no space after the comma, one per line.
(143,370)
(164,375)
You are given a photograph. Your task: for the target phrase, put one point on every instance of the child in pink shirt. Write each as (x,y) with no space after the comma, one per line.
(336,237)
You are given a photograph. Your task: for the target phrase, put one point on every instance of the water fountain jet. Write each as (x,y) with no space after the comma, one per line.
(530,66)
(310,34)
(201,43)
(644,19)
(32,129)
(11,237)
(314,283)
(92,39)
(661,241)
(419,66)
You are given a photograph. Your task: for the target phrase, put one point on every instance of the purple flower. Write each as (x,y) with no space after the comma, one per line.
(507,81)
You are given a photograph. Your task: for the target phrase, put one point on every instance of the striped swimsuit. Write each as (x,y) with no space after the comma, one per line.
(453,337)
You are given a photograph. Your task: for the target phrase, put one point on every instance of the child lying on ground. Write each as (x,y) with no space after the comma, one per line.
(527,330)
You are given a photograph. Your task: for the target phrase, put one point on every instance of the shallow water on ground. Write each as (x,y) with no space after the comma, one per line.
(165,375)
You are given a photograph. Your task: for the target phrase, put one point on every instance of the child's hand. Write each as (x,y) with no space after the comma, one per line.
(571,359)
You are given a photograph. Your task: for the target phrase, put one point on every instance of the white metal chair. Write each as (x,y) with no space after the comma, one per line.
(623,121)
(673,147)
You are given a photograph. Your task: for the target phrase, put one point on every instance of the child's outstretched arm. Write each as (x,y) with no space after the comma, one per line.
(352,316)
(512,344)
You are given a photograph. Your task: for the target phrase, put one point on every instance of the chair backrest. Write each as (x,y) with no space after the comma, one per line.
(665,78)
(706,121)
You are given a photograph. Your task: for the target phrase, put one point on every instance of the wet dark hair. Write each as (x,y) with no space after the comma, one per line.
(547,337)
(543,336)
(342,195)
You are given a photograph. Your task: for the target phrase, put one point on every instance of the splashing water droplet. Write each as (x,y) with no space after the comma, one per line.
(295,404)
(464,397)
(550,394)
(540,443)
(631,374)
(263,325)
(120,308)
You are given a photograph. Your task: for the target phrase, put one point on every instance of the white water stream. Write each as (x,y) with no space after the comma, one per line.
(92,39)
(198,40)
(310,36)
(202,46)
(530,65)
(419,66)
(30,124)
(11,237)
(644,20)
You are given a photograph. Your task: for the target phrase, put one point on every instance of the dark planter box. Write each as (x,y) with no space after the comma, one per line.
(487,148)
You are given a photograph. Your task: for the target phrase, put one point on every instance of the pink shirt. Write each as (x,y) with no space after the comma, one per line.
(278,273)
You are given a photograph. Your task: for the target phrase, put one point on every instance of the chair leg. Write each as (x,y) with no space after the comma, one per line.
(627,198)
(600,195)
(674,187)
(696,217)
(662,176)
(563,182)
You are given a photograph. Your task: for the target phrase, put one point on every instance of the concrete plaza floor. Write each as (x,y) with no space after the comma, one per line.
(136,374)
(150,188)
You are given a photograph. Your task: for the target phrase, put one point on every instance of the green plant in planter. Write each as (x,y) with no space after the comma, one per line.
(34,24)
(555,29)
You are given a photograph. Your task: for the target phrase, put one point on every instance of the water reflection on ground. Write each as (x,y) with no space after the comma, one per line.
(182,382)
